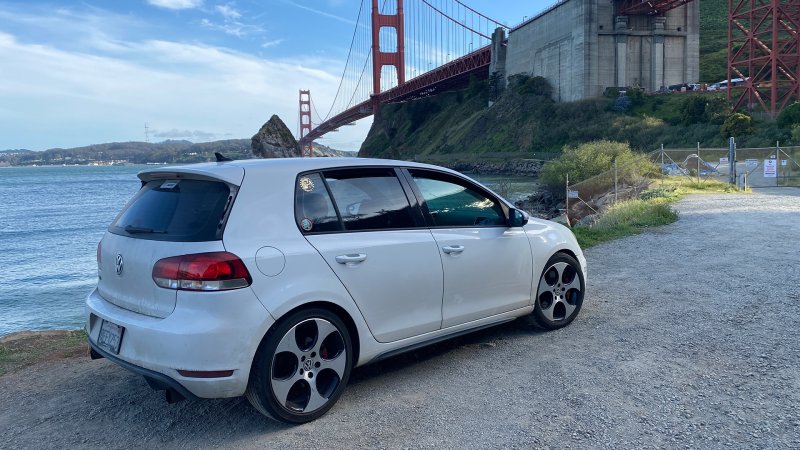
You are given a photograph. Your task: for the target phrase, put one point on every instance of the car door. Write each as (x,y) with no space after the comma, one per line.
(487,264)
(363,224)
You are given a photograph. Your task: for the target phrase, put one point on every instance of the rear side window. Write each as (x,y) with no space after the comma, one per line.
(314,210)
(370,199)
(176,210)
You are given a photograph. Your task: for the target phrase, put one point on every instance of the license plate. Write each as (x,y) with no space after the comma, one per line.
(110,336)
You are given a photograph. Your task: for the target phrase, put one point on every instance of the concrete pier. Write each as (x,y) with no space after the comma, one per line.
(582,47)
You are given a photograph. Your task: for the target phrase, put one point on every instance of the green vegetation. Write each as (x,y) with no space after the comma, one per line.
(524,122)
(713,40)
(593,158)
(651,209)
(23,349)
(625,219)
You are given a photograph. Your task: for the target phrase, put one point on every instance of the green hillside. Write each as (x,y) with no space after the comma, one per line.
(525,123)
(713,40)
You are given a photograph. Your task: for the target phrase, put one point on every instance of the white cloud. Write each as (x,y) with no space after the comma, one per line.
(184,134)
(273,43)
(176,4)
(82,99)
(321,13)
(228,12)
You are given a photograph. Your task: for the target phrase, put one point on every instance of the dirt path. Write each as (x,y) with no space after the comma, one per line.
(688,338)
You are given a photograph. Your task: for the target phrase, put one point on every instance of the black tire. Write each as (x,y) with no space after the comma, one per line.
(559,293)
(307,366)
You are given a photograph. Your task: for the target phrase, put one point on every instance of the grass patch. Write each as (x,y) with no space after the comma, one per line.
(652,208)
(625,219)
(19,350)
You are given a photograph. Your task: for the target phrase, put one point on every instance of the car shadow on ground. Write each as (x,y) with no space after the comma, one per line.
(404,361)
(123,404)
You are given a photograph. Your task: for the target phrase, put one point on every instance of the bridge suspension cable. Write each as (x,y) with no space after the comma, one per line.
(436,34)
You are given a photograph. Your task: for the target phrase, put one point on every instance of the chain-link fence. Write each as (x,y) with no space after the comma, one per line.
(751,168)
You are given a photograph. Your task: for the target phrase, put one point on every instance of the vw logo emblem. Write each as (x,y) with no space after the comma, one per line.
(118,265)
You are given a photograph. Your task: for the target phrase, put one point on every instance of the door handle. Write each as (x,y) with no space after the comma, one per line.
(453,249)
(351,259)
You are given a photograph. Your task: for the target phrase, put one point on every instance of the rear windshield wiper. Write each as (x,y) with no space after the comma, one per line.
(136,230)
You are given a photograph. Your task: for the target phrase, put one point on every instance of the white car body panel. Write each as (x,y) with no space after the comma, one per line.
(222,330)
(490,276)
(398,287)
(134,288)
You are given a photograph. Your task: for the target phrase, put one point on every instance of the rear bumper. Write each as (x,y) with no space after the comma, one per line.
(208,331)
(155,379)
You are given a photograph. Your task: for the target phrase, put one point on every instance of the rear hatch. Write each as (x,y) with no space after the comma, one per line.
(175,213)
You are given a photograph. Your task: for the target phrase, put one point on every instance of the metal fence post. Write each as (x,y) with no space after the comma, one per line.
(732,160)
(698,163)
(566,202)
(615,180)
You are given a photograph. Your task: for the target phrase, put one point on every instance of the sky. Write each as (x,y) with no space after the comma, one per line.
(76,73)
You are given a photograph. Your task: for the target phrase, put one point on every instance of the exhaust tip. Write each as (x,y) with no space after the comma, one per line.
(94,354)
(172,396)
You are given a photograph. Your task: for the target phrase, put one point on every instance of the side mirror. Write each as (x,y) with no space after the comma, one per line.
(517,218)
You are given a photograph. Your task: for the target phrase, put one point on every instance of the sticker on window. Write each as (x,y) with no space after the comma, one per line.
(170,184)
(306,184)
(306,224)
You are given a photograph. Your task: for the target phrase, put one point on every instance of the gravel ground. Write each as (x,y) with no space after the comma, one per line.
(687,339)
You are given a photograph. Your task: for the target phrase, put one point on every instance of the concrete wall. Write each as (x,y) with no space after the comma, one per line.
(581,47)
(552,46)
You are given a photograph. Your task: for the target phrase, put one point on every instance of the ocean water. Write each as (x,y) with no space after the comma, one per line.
(51,219)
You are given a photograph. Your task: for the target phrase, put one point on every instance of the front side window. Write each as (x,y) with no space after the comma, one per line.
(453,203)
(370,199)
(314,210)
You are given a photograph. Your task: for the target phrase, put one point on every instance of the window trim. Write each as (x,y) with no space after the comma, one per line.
(444,176)
(418,217)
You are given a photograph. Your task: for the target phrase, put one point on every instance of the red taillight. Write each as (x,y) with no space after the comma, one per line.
(217,271)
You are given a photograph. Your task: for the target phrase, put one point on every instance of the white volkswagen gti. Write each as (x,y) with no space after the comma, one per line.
(274,278)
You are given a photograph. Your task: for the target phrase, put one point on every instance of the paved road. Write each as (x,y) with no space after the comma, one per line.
(688,338)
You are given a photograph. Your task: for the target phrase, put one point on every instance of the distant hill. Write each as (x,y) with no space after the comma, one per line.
(170,151)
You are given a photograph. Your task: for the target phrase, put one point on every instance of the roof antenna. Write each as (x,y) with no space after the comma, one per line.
(221,157)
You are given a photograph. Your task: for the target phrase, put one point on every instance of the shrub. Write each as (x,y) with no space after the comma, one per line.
(636,95)
(593,158)
(622,104)
(789,116)
(736,124)
(693,110)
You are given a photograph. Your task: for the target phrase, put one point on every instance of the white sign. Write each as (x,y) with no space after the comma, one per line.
(784,162)
(573,194)
(751,163)
(723,160)
(770,168)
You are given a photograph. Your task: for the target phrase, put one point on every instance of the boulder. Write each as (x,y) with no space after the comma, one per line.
(274,140)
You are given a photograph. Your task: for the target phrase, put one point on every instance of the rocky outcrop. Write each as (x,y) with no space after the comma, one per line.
(274,140)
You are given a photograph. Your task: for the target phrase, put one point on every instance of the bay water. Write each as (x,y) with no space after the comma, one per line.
(51,219)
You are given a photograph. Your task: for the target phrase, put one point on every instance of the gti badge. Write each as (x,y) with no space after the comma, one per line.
(118,264)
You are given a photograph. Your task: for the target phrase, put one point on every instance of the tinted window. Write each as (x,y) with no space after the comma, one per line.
(452,203)
(176,210)
(370,199)
(314,210)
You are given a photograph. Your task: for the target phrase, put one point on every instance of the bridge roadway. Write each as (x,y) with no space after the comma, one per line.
(454,74)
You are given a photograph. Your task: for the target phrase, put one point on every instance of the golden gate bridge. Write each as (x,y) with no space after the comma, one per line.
(406,49)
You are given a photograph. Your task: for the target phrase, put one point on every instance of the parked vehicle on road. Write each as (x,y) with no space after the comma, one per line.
(275,278)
